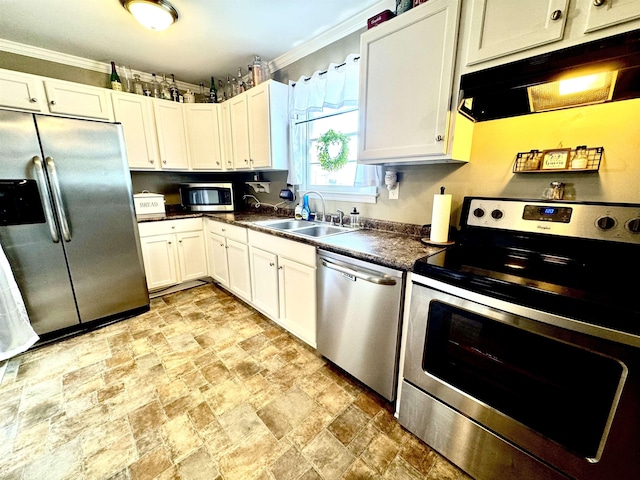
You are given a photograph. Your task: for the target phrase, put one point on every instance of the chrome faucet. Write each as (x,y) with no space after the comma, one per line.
(324,209)
(340,217)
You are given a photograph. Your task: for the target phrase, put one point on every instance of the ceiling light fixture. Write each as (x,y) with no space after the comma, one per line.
(153,14)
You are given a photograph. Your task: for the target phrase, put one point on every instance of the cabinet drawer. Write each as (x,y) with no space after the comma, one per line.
(239,234)
(169,226)
(300,252)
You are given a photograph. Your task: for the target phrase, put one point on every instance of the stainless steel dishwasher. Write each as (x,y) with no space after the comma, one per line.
(359,316)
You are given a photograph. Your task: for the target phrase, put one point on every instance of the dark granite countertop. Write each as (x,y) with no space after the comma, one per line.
(390,244)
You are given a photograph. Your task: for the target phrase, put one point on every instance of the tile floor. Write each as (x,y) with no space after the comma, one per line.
(200,387)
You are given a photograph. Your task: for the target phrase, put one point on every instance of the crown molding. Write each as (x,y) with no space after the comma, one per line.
(334,34)
(51,56)
(73,61)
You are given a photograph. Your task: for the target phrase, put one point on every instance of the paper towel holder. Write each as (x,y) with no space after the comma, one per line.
(428,241)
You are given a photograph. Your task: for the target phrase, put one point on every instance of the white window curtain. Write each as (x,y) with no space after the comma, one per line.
(334,88)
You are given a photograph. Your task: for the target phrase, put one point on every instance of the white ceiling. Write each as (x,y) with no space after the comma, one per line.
(211,37)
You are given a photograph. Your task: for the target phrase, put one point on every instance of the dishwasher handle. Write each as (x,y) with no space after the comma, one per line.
(378,280)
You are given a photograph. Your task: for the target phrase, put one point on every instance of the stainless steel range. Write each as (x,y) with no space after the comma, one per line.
(523,343)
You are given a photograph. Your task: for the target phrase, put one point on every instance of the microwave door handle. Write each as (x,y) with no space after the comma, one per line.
(57,195)
(44,198)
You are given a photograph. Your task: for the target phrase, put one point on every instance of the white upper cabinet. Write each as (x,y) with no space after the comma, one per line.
(239,131)
(259,127)
(172,138)
(503,31)
(226,141)
(74,99)
(502,27)
(135,113)
(203,134)
(406,78)
(267,105)
(21,91)
(607,13)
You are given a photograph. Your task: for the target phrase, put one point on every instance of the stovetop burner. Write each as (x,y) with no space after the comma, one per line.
(571,259)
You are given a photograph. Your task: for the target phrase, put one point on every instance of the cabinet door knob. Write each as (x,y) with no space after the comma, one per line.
(271,264)
(222,244)
(52,102)
(164,161)
(439,138)
(599,3)
(151,161)
(279,268)
(33,100)
(180,241)
(556,15)
(169,243)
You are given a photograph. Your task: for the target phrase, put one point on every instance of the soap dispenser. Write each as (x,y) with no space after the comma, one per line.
(306,211)
(355,218)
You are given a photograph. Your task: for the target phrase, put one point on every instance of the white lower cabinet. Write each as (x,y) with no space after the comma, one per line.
(283,279)
(173,252)
(158,252)
(264,274)
(229,257)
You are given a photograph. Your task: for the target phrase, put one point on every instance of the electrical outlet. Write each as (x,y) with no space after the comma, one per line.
(394,193)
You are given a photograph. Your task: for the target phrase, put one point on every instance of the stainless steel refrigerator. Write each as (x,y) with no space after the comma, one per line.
(67,221)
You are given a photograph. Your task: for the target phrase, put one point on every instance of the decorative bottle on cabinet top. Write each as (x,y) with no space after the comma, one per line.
(116,84)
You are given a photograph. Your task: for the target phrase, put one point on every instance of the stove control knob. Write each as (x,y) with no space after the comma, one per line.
(478,213)
(497,214)
(605,223)
(633,225)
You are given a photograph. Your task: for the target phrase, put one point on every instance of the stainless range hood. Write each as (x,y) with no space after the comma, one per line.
(596,72)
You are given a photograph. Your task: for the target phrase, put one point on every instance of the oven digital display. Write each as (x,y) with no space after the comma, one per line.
(547,213)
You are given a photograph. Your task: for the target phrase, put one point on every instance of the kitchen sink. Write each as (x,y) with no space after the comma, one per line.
(305,228)
(321,230)
(285,224)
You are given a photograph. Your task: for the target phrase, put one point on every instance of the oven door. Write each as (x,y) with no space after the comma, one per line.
(561,396)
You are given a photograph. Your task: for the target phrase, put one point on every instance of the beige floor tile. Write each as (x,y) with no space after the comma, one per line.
(329,457)
(201,387)
(199,466)
(180,437)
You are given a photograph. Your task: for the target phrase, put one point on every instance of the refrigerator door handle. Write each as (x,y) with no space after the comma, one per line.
(48,213)
(57,195)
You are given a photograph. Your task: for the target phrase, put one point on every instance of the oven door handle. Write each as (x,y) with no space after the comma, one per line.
(378,280)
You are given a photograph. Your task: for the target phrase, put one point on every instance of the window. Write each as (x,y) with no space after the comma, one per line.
(328,100)
(342,184)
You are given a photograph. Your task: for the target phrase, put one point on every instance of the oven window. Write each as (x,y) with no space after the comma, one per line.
(563,392)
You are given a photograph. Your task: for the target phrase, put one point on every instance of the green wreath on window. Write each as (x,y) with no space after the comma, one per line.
(327,162)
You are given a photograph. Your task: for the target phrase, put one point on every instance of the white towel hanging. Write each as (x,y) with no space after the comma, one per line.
(16,333)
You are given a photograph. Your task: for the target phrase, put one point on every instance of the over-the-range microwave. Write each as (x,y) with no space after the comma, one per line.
(207,197)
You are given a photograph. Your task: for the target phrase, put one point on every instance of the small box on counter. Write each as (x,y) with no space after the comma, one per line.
(146,203)
(380,18)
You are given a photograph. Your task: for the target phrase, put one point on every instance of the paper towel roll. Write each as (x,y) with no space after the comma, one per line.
(440,218)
